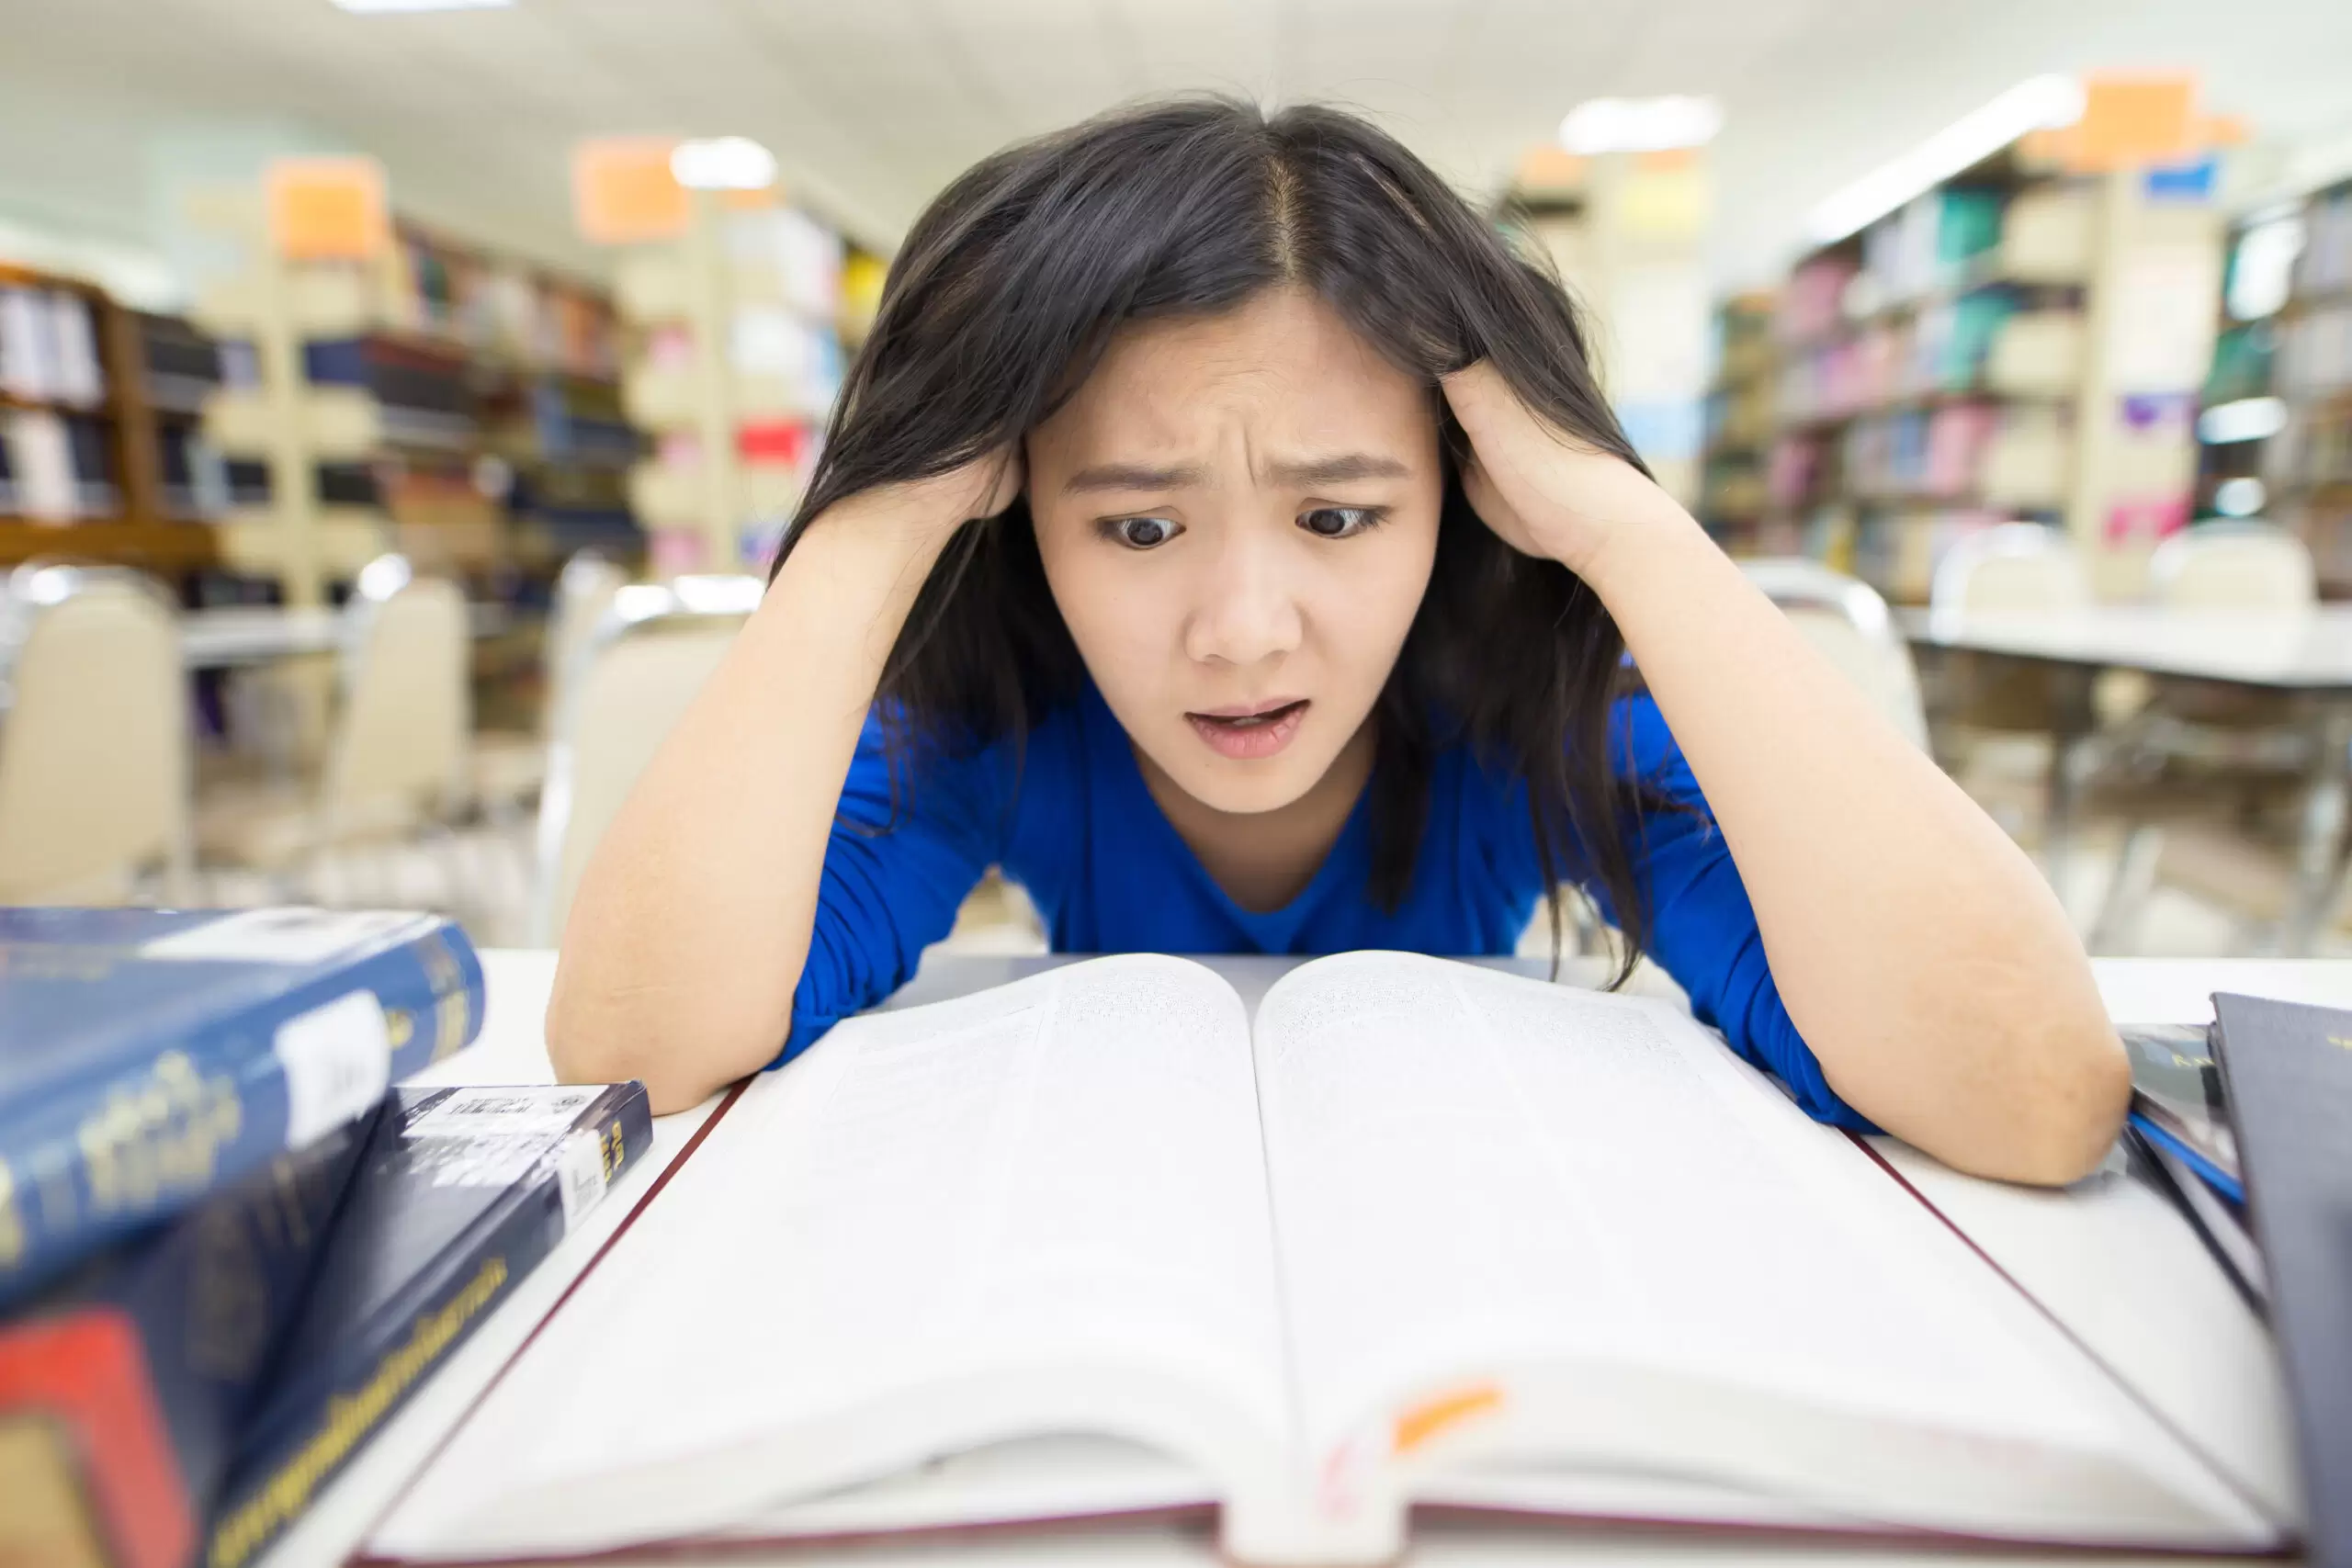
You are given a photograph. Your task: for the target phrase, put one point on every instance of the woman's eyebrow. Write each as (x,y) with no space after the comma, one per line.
(1336,470)
(1130,475)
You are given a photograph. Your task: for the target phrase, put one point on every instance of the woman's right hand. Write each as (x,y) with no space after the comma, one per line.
(929,510)
(686,939)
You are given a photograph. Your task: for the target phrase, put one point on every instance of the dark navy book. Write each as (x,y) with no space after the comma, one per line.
(126,1386)
(461,1193)
(2289,1072)
(148,1057)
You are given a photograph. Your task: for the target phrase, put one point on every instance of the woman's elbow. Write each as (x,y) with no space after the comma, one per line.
(2072,1095)
(592,1043)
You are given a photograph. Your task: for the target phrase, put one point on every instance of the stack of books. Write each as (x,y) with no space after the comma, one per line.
(2181,1133)
(231,1245)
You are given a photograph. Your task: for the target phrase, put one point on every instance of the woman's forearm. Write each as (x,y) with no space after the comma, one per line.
(692,917)
(1920,952)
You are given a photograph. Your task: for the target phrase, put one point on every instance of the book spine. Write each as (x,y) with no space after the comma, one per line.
(336,1408)
(163,1125)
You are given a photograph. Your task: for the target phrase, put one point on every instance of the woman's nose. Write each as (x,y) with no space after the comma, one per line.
(1246,604)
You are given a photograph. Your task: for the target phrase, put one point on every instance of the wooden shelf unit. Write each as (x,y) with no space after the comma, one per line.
(1739,427)
(447,366)
(2307,468)
(2017,342)
(136,533)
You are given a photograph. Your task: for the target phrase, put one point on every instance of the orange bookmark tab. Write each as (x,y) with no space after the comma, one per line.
(1421,1423)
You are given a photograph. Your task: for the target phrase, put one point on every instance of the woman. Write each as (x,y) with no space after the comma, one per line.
(1222,531)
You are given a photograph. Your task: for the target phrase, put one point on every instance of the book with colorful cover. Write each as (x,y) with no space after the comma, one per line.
(461,1193)
(150,1056)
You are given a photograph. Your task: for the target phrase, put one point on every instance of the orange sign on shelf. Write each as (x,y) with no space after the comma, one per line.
(1547,170)
(2136,123)
(623,192)
(2136,119)
(328,209)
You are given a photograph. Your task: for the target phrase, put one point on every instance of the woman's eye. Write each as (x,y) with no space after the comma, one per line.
(1141,533)
(1339,521)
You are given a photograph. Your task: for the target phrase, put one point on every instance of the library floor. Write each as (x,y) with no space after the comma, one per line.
(484,875)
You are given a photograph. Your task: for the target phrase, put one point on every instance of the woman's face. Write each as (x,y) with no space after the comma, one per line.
(1238,515)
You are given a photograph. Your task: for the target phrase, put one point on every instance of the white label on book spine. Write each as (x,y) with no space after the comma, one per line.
(338,1062)
(580,1175)
(283,936)
(504,1112)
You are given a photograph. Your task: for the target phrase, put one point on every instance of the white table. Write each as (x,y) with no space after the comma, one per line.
(2307,655)
(2311,652)
(2108,1256)
(238,635)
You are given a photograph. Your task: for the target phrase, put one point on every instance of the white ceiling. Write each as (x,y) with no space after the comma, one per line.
(872,104)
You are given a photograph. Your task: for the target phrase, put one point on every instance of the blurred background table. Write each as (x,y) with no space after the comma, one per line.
(2303,656)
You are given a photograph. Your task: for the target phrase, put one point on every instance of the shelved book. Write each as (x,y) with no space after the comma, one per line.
(1419,1234)
(148,1056)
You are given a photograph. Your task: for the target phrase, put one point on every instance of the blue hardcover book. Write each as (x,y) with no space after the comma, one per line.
(148,1056)
(461,1193)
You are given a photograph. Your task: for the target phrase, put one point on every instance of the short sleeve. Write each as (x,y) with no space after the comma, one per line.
(1702,928)
(896,873)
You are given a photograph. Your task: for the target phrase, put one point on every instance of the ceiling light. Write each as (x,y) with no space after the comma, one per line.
(2248,419)
(723,162)
(1640,125)
(379,7)
(2044,103)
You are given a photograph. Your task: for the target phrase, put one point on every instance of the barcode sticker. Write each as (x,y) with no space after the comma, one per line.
(513,1111)
(337,1060)
(283,936)
(580,1175)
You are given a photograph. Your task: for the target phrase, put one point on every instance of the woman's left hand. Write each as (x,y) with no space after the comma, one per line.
(1543,493)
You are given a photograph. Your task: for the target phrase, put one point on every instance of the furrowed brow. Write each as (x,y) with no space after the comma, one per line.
(1130,477)
(1337,469)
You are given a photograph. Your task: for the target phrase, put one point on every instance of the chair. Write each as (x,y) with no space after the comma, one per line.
(627,686)
(1992,721)
(1848,621)
(94,759)
(2011,567)
(511,768)
(2211,762)
(2243,565)
(396,755)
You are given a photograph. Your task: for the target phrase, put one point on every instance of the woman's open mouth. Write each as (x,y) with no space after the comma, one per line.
(1248,731)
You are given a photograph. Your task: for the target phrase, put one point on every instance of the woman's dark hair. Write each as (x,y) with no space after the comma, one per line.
(1002,299)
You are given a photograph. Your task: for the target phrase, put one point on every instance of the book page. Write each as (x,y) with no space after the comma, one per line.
(987,1217)
(1474,1172)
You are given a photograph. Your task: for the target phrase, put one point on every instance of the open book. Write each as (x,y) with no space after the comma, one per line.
(1422,1234)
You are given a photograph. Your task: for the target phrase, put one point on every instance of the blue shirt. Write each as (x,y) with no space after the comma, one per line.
(1074,823)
